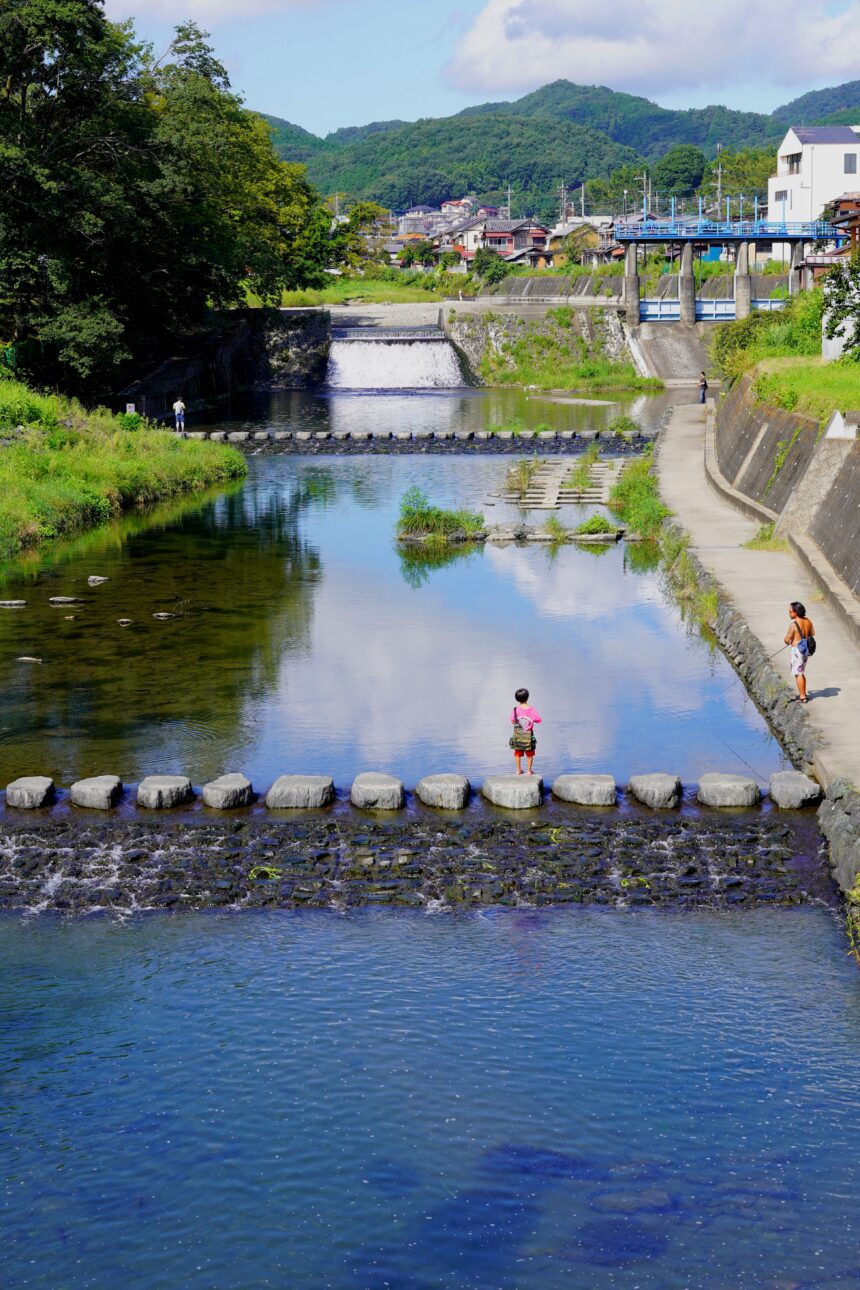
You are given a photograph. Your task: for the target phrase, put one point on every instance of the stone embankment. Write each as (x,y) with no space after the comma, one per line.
(425,860)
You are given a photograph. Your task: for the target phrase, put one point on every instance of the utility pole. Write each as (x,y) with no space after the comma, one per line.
(510,208)
(563,202)
(719,176)
(582,194)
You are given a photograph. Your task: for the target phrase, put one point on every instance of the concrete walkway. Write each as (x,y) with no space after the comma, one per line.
(760,584)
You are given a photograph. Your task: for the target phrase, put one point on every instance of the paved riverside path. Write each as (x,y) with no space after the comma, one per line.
(760,585)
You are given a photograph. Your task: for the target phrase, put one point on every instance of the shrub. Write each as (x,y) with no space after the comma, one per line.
(623,426)
(634,497)
(417,516)
(595,524)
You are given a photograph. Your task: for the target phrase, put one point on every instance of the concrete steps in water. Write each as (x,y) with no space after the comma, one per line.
(548,489)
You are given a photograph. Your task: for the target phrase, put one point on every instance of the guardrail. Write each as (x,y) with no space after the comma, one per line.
(708,230)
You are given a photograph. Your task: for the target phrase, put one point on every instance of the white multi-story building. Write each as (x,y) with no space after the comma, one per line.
(815,165)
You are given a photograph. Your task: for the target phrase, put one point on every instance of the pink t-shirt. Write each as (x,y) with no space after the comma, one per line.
(526,716)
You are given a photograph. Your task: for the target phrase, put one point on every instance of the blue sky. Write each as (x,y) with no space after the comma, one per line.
(329,63)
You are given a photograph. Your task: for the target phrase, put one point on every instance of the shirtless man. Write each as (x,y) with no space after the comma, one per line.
(799,632)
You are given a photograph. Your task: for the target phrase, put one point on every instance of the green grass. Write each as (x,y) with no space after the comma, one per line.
(594,525)
(381,286)
(522,473)
(636,500)
(67,469)
(765,541)
(580,477)
(419,518)
(555,529)
(624,427)
(808,385)
(738,346)
(550,354)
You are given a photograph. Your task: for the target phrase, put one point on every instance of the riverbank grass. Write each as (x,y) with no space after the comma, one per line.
(808,385)
(635,498)
(65,469)
(420,519)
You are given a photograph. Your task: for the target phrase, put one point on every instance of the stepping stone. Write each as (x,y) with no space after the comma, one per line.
(262,435)
(341,435)
(373,791)
(443,434)
(483,435)
(322,434)
(403,435)
(302,436)
(218,436)
(239,436)
(297,792)
(586,790)
(463,434)
(422,434)
(516,792)
(546,434)
(161,792)
(791,790)
(197,434)
(228,792)
(12,604)
(659,791)
(99,793)
(717,789)
(382,434)
(450,792)
(361,435)
(30,792)
(281,436)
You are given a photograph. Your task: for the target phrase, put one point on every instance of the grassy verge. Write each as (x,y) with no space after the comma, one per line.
(387,287)
(808,385)
(794,331)
(765,541)
(636,500)
(67,469)
(418,518)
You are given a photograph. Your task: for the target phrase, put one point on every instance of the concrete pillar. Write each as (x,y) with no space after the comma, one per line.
(631,284)
(687,285)
(797,253)
(743,281)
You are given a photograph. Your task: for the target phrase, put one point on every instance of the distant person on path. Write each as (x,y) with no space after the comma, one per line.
(799,635)
(524,719)
(179,413)
(703,387)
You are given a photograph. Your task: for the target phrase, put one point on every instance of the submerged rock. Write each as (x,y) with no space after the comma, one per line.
(161,792)
(296,792)
(722,790)
(516,792)
(65,600)
(29,792)
(586,790)
(99,793)
(451,792)
(791,790)
(228,792)
(12,604)
(96,580)
(374,791)
(658,790)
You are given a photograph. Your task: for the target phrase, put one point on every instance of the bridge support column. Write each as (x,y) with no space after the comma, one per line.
(631,284)
(687,285)
(797,255)
(743,281)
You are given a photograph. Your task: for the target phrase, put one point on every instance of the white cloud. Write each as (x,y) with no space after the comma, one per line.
(657,47)
(206,11)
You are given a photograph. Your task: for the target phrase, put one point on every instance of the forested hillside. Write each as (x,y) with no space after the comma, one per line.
(562,132)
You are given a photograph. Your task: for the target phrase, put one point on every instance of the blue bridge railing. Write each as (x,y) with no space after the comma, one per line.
(710,230)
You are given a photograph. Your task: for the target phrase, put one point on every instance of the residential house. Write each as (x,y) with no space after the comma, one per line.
(813,164)
(504,236)
(844,215)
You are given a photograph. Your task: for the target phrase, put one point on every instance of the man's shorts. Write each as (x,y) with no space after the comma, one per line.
(798,661)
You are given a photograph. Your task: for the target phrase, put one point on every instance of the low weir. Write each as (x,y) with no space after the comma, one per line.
(392,359)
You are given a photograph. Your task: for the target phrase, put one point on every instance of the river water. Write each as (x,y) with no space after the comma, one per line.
(506,1099)
(303,639)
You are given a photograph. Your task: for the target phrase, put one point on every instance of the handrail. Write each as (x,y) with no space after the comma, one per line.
(685,230)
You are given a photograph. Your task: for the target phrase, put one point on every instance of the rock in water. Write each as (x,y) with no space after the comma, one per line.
(27,658)
(717,789)
(99,793)
(163,617)
(228,792)
(300,792)
(450,792)
(373,791)
(12,604)
(659,791)
(791,790)
(95,580)
(160,792)
(586,790)
(516,792)
(65,600)
(125,622)
(30,792)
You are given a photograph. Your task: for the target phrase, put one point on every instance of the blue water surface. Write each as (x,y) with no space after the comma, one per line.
(505,1099)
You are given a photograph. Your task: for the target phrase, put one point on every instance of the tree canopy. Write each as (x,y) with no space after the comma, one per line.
(135,194)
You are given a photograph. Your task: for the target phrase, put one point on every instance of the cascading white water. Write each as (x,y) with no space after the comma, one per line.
(393,365)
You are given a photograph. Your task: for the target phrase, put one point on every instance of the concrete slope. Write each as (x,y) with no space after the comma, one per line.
(673,351)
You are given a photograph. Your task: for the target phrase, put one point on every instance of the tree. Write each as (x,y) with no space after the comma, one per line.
(745,172)
(842,306)
(680,170)
(489,266)
(134,195)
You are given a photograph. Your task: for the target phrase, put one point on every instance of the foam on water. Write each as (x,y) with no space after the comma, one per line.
(393,365)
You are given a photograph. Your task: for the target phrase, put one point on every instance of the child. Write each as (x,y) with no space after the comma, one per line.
(524,719)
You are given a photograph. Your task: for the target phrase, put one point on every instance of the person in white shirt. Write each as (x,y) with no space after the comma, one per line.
(179,413)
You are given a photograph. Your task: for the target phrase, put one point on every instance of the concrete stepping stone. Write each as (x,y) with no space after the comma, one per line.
(719,789)
(98,793)
(658,790)
(374,791)
(29,792)
(450,792)
(12,604)
(300,792)
(161,792)
(791,790)
(516,792)
(228,792)
(586,790)
(281,436)
(239,436)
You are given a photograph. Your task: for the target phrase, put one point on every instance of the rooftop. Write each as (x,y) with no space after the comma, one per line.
(824,133)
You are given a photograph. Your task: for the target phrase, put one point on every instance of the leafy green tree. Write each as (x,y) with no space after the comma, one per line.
(745,172)
(680,170)
(489,266)
(842,306)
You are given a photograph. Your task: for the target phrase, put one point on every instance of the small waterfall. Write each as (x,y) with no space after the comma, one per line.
(393,365)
